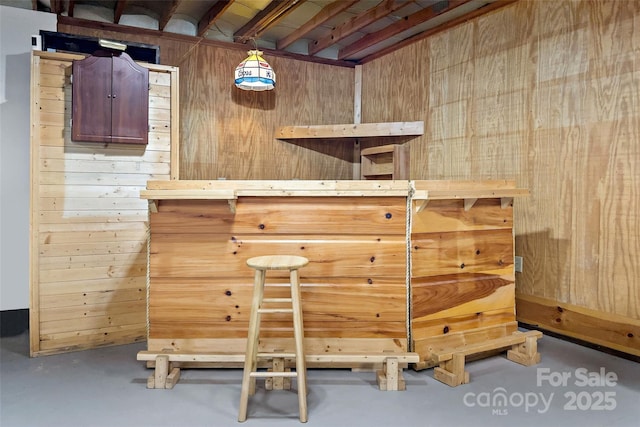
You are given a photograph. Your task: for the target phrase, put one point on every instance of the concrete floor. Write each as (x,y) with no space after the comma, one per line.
(572,386)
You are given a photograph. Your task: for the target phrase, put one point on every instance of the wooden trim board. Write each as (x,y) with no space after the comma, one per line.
(597,327)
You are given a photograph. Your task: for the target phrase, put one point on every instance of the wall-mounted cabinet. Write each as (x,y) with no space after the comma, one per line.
(110,100)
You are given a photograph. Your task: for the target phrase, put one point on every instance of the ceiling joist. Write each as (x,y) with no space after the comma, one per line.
(442,27)
(370,16)
(72,4)
(57,6)
(166,14)
(320,18)
(417,18)
(212,15)
(269,16)
(117,14)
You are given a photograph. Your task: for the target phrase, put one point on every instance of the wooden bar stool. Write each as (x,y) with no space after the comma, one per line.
(261,264)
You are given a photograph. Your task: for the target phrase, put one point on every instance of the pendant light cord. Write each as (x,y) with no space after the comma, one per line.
(184,56)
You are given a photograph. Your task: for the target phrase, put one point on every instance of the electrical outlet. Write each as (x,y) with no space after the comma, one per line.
(517,264)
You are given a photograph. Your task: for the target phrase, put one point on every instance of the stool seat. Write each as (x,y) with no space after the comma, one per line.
(277,262)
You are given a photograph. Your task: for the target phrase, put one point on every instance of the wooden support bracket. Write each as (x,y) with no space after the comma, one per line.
(524,350)
(525,353)
(279,382)
(469,202)
(451,372)
(356,160)
(154,196)
(172,378)
(421,365)
(505,202)
(165,376)
(390,378)
(470,197)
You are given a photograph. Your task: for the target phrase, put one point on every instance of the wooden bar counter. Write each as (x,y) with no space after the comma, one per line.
(394,265)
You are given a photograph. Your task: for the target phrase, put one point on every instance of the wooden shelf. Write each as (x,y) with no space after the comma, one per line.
(189,194)
(470,197)
(232,190)
(154,196)
(362,130)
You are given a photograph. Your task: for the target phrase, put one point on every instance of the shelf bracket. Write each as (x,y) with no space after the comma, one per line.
(356,160)
(469,202)
(421,204)
(232,205)
(153,206)
(505,202)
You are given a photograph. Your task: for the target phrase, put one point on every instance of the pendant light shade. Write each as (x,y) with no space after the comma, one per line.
(254,73)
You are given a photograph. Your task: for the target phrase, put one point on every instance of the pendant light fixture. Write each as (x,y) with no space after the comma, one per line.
(254,73)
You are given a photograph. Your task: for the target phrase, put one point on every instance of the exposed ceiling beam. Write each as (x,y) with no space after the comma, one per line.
(72,4)
(212,15)
(320,18)
(489,7)
(167,13)
(117,14)
(57,6)
(274,12)
(127,31)
(409,21)
(354,24)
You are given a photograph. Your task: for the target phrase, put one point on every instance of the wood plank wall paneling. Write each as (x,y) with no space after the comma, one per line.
(229,133)
(353,288)
(548,94)
(462,276)
(89,226)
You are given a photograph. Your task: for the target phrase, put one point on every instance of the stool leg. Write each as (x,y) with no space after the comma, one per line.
(298,331)
(250,360)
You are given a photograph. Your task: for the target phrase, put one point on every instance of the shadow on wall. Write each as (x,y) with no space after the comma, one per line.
(264,100)
(339,151)
(547,270)
(345,151)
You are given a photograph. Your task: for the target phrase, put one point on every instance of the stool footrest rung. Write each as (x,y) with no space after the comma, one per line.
(276,355)
(262,374)
(273,300)
(275,310)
